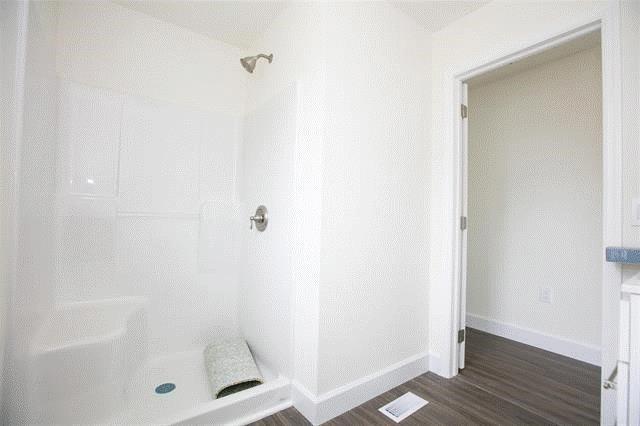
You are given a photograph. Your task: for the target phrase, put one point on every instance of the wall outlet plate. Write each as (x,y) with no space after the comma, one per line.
(635,212)
(545,295)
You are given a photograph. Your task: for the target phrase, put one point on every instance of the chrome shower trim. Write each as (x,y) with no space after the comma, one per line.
(249,62)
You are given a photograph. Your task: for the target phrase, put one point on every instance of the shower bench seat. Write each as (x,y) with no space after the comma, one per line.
(88,349)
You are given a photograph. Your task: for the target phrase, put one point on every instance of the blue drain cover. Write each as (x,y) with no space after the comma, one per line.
(165,388)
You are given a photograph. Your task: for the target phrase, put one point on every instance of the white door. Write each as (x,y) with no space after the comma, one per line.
(464,158)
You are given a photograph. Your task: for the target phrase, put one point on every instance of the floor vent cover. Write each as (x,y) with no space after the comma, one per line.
(403,407)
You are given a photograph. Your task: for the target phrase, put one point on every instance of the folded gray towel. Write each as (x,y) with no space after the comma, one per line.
(230,367)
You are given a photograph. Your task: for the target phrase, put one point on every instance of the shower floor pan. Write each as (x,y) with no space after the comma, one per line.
(190,402)
(90,365)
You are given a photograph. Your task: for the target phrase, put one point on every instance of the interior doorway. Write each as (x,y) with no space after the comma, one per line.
(531,202)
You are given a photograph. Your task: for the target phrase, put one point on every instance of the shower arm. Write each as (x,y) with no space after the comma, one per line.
(267,57)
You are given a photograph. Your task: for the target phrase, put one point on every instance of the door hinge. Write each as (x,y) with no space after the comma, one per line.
(461,336)
(463,222)
(463,110)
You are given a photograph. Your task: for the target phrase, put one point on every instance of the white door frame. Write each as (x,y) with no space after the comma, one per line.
(609,26)
(463,199)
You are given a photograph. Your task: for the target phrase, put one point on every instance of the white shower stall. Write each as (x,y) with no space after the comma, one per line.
(138,173)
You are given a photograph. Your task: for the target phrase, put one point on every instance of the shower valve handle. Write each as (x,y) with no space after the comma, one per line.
(260,219)
(257,219)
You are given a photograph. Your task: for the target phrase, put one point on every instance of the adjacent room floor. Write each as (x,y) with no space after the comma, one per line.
(504,382)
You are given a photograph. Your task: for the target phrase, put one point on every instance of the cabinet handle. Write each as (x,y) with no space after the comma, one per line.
(610,383)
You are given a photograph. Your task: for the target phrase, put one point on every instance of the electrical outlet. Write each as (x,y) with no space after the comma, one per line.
(635,212)
(545,295)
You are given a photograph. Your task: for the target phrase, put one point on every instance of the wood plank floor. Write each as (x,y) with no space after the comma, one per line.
(504,382)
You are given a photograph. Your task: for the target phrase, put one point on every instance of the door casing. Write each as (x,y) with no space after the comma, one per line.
(609,26)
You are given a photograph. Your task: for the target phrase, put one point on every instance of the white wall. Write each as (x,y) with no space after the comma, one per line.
(629,86)
(36,195)
(374,284)
(12,18)
(630,22)
(361,176)
(34,155)
(105,45)
(479,37)
(147,170)
(297,74)
(535,199)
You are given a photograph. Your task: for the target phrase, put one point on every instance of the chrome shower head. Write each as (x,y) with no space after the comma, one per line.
(249,63)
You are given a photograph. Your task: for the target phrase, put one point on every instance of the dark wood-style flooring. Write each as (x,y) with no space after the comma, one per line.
(504,382)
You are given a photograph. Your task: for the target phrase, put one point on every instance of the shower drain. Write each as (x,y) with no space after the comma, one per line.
(165,388)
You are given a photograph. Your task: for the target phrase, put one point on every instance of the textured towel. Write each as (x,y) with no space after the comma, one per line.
(230,367)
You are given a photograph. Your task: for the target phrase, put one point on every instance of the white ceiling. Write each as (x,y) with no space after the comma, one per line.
(435,15)
(237,22)
(240,22)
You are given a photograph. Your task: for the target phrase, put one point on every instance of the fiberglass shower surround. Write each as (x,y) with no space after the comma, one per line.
(151,256)
(151,339)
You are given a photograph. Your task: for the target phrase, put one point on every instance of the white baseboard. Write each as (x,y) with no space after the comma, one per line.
(304,401)
(324,407)
(559,345)
(436,366)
